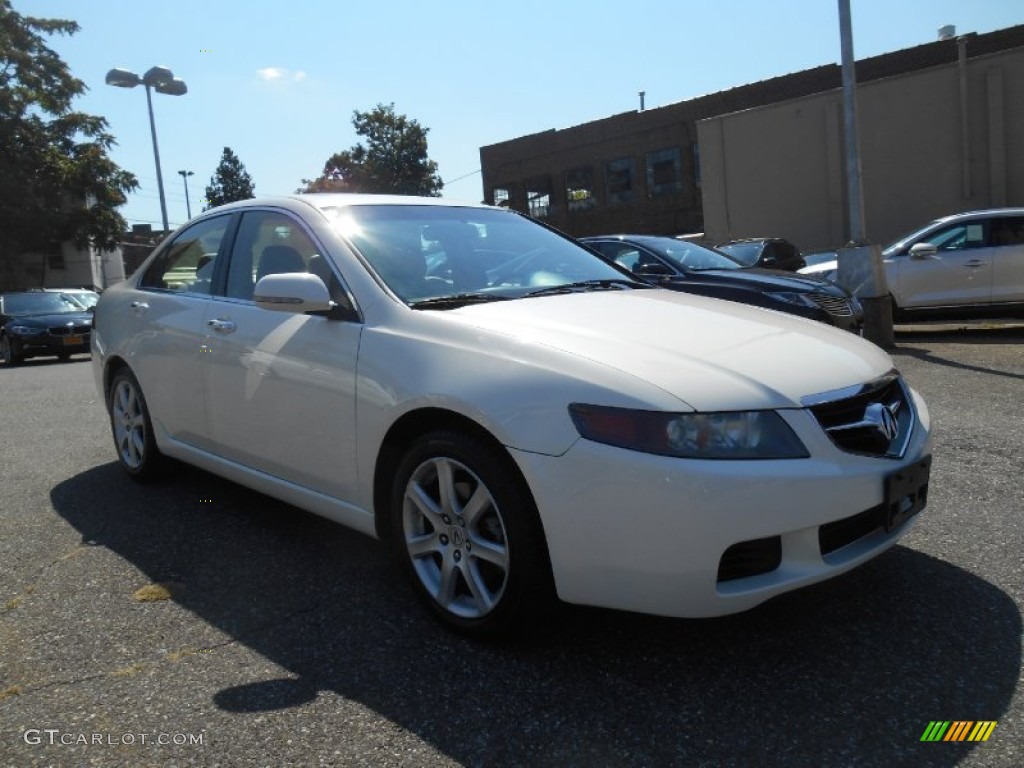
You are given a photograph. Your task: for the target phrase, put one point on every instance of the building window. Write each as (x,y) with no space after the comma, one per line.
(696,164)
(579,189)
(619,180)
(664,172)
(501,196)
(55,257)
(538,197)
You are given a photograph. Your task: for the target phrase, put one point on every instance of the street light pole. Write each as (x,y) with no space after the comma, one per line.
(860,263)
(163,81)
(184,177)
(156,156)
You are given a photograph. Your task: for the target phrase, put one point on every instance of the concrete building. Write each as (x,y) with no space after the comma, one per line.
(63,266)
(766,158)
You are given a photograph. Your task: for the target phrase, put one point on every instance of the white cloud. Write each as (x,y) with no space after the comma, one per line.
(279,74)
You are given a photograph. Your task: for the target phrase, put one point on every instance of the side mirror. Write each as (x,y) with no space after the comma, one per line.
(292,292)
(923,251)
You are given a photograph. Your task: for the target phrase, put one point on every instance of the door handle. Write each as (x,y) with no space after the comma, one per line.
(139,307)
(222,325)
(975,263)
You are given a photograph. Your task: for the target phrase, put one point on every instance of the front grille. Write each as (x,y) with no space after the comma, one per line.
(875,420)
(79,329)
(834,305)
(750,558)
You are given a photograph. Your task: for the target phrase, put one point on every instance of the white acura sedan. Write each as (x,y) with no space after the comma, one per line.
(518,418)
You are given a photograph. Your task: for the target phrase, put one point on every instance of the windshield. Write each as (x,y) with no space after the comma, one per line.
(426,254)
(38,304)
(85,299)
(746,254)
(689,256)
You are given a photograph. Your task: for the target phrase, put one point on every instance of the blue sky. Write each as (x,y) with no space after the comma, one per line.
(278,81)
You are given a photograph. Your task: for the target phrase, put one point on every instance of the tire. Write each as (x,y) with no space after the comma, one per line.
(467,532)
(7,356)
(132,429)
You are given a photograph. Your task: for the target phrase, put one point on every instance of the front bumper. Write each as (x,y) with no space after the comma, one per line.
(647,533)
(48,344)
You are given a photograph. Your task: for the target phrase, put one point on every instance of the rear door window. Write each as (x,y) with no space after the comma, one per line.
(187,264)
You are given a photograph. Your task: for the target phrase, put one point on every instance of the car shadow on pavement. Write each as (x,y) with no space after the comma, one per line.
(848,672)
(917,340)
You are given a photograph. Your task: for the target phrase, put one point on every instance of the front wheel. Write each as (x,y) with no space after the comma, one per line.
(7,355)
(467,532)
(132,428)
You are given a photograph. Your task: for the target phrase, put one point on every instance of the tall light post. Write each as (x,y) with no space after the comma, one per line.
(164,81)
(860,263)
(184,177)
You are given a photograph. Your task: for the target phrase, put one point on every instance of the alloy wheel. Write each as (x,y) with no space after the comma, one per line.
(456,538)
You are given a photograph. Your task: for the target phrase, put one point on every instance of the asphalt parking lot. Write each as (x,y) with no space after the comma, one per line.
(197,623)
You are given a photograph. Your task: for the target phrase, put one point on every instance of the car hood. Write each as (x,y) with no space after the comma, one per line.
(763,280)
(709,354)
(51,319)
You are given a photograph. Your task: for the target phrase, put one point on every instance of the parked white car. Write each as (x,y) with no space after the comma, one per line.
(968,264)
(516,416)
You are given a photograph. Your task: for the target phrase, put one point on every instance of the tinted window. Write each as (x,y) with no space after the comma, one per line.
(38,303)
(1008,231)
(187,264)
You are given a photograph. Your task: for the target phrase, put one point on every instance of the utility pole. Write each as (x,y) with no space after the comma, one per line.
(860,262)
(184,177)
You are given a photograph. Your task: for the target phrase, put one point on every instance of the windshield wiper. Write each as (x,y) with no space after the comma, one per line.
(588,285)
(456,300)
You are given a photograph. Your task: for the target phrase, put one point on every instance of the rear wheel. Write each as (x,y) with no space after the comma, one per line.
(132,428)
(467,532)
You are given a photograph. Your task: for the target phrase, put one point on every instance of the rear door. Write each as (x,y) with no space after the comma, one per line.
(1008,259)
(958,274)
(167,312)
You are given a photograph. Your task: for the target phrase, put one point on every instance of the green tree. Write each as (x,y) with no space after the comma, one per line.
(229,183)
(57,182)
(392,161)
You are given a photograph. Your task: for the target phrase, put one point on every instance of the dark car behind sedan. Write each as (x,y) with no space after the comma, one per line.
(764,253)
(41,323)
(685,266)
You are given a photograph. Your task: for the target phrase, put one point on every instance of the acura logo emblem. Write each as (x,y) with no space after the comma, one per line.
(883,419)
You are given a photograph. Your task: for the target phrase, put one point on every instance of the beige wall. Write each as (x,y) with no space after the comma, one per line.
(778,170)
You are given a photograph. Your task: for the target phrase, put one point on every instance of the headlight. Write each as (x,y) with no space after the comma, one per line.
(25,330)
(724,435)
(801,299)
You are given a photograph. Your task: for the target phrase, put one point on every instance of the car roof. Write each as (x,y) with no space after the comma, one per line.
(325,200)
(981,213)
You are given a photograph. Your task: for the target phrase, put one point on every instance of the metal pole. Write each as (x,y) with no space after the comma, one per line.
(965,123)
(860,263)
(854,192)
(156,156)
(184,178)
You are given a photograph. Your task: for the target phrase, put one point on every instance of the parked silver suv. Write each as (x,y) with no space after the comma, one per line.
(966,264)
